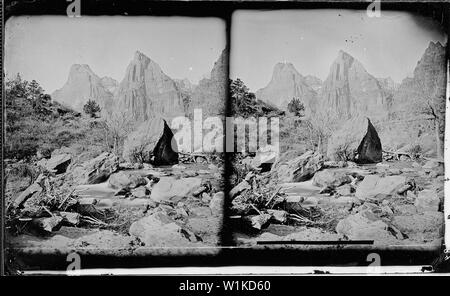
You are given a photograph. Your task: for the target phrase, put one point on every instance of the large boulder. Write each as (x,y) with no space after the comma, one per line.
(58,163)
(159,230)
(422,227)
(174,190)
(374,186)
(299,169)
(364,227)
(353,138)
(427,200)
(369,150)
(33,190)
(333,177)
(265,157)
(151,142)
(96,170)
(126,180)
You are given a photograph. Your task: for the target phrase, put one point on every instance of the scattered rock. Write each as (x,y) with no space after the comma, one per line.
(47,225)
(427,200)
(426,226)
(278,216)
(344,190)
(33,190)
(206,198)
(159,230)
(335,164)
(57,163)
(124,180)
(258,221)
(140,192)
(96,170)
(404,209)
(70,219)
(299,169)
(359,227)
(265,157)
(374,186)
(130,166)
(238,189)
(333,178)
(174,190)
(394,172)
(431,164)
(199,190)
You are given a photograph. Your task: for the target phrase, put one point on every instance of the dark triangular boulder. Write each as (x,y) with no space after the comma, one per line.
(369,150)
(151,142)
(166,149)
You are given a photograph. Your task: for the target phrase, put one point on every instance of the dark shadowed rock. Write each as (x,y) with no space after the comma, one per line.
(164,154)
(299,169)
(369,150)
(96,170)
(152,141)
(58,163)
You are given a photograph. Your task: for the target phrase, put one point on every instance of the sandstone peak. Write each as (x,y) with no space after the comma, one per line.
(344,55)
(80,68)
(139,56)
(287,83)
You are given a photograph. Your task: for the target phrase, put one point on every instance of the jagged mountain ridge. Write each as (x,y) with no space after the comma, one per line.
(83,84)
(287,83)
(211,93)
(146,91)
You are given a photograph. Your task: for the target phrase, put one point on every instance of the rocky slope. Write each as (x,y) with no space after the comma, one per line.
(83,84)
(287,83)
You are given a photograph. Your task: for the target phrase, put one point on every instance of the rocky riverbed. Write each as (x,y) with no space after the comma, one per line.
(392,203)
(101,206)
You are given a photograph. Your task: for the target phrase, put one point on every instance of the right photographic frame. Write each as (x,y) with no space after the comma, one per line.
(343,115)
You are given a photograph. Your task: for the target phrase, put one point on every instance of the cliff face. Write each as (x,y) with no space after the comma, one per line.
(350,91)
(210,94)
(146,91)
(83,84)
(287,83)
(427,84)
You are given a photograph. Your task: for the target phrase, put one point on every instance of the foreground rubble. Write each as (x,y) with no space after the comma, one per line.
(392,203)
(118,206)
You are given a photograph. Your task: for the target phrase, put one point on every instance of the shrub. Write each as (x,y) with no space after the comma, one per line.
(91,108)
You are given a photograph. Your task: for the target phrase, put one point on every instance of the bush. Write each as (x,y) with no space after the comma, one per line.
(91,108)
(296,106)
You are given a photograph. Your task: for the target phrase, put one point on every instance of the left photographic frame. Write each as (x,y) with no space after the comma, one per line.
(104,150)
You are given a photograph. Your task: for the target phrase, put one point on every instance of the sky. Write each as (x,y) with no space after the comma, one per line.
(390,45)
(44,47)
